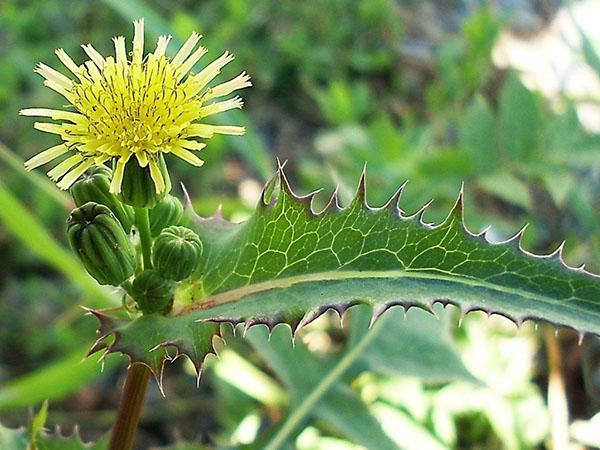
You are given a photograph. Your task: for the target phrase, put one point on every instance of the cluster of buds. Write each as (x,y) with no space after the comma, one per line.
(100,232)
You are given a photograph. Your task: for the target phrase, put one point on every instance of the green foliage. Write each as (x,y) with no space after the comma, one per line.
(29,230)
(338,89)
(51,383)
(289,264)
(520,122)
(478,136)
(35,437)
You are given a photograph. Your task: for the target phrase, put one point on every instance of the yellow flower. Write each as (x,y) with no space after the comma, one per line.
(145,107)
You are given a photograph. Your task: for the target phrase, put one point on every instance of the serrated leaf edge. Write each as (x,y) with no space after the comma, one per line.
(106,330)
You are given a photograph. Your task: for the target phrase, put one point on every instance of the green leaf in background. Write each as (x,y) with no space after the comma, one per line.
(13,439)
(302,373)
(50,381)
(36,438)
(520,121)
(289,264)
(72,442)
(414,343)
(22,224)
(478,136)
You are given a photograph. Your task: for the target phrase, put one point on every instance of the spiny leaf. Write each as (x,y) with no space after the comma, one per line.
(289,264)
(19,439)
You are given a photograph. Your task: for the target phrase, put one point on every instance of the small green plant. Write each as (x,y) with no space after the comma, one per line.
(183,276)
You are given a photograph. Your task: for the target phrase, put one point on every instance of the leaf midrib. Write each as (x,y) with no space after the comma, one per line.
(238,294)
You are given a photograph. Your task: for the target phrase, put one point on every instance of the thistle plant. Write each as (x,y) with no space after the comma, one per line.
(126,114)
(186,275)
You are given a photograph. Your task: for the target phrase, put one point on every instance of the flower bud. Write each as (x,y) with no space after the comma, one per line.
(94,187)
(102,245)
(177,252)
(167,212)
(152,292)
(138,188)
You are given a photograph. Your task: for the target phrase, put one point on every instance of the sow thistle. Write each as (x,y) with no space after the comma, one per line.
(131,111)
(128,113)
(285,264)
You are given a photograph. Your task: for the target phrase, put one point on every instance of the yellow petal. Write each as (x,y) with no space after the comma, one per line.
(161,46)
(53,75)
(190,145)
(239,82)
(186,49)
(96,57)
(142,158)
(120,52)
(74,174)
(218,107)
(52,113)
(193,59)
(64,167)
(207,131)
(117,179)
(53,128)
(157,177)
(206,75)
(138,41)
(46,156)
(67,61)
(187,156)
(58,88)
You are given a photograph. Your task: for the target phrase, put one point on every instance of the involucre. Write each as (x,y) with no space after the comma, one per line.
(177,251)
(101,243)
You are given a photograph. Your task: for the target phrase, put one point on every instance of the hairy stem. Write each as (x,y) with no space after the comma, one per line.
(299,414)
(132,401)
(143,225)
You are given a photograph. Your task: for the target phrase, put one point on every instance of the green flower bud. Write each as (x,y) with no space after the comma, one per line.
(177,251)
(167,212)
(94,187)
(138,187)
(152,292)
(97,237)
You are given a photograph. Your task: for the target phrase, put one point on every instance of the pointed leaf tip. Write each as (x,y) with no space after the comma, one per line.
(288,265)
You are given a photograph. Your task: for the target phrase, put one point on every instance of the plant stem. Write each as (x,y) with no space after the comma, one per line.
(138,375)
(132,401)
(143,225)
(297,416)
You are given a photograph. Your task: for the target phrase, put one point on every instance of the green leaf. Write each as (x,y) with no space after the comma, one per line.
(520,121)
(23,225)
(303,374)
(37,423)
(20,440)
(50,382)
(13,439)
(290,264)
(41,182)
(477,136)
(72,442)
(415,343)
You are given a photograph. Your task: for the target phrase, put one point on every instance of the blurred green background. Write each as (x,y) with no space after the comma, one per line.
(503,96)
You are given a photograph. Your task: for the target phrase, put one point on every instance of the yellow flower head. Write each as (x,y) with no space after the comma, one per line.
(140,107)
